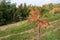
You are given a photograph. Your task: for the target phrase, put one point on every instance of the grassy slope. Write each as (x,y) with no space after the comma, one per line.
(19,29)
(50,35)
(25,27)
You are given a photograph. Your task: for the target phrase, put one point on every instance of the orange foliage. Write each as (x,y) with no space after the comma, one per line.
(34,13)
(46,23)
(35,16)
(40,24)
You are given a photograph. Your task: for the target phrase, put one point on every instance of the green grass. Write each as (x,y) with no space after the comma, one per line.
(28,36)
(51,17)
(17,29)
(27,26)
(25,36)
(54,25)
(52,35)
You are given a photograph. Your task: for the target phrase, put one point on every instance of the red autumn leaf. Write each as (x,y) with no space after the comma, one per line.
(46,23)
